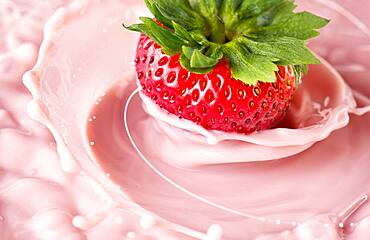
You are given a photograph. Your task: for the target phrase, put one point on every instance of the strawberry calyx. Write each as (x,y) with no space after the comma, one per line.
(254,36)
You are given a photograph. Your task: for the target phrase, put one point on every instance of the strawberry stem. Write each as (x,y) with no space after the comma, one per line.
(217,32)
(209,10)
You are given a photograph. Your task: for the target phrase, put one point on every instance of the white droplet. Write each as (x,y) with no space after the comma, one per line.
(108,175)
(94,117)
(92,143)
(147,221)
(90,119)
(119,220)
(131,235)
(341,225)
(214,232)
(326,101)
(80,222)
(211,140)
(278,221)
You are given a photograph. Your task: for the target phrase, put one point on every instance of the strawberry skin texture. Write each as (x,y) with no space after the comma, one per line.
(214,100)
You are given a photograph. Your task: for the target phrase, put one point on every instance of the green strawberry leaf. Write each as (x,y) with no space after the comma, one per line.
(242,16)
(273,13)
(180,11)
(301,25)
(250,8)
(185,63)
(184,34)
(169,42)
(199,60)
(214,51)
(280,51)
(286,50)
(248,67)
(188,51)
(266,14)
(157,14)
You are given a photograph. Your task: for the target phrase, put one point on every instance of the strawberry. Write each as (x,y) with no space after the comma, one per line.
(214,100)
(226,65)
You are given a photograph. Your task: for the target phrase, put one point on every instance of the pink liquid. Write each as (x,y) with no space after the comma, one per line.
(313,185)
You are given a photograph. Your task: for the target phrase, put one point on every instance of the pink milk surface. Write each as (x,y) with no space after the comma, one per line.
(101,161)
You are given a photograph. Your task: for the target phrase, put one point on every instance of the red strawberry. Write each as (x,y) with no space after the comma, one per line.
(226,65)
(214,100)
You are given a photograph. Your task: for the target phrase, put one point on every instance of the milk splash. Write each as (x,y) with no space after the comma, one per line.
(66,209)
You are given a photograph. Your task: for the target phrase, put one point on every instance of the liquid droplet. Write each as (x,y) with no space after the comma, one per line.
(147,221)
(214,232)
(131,235)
